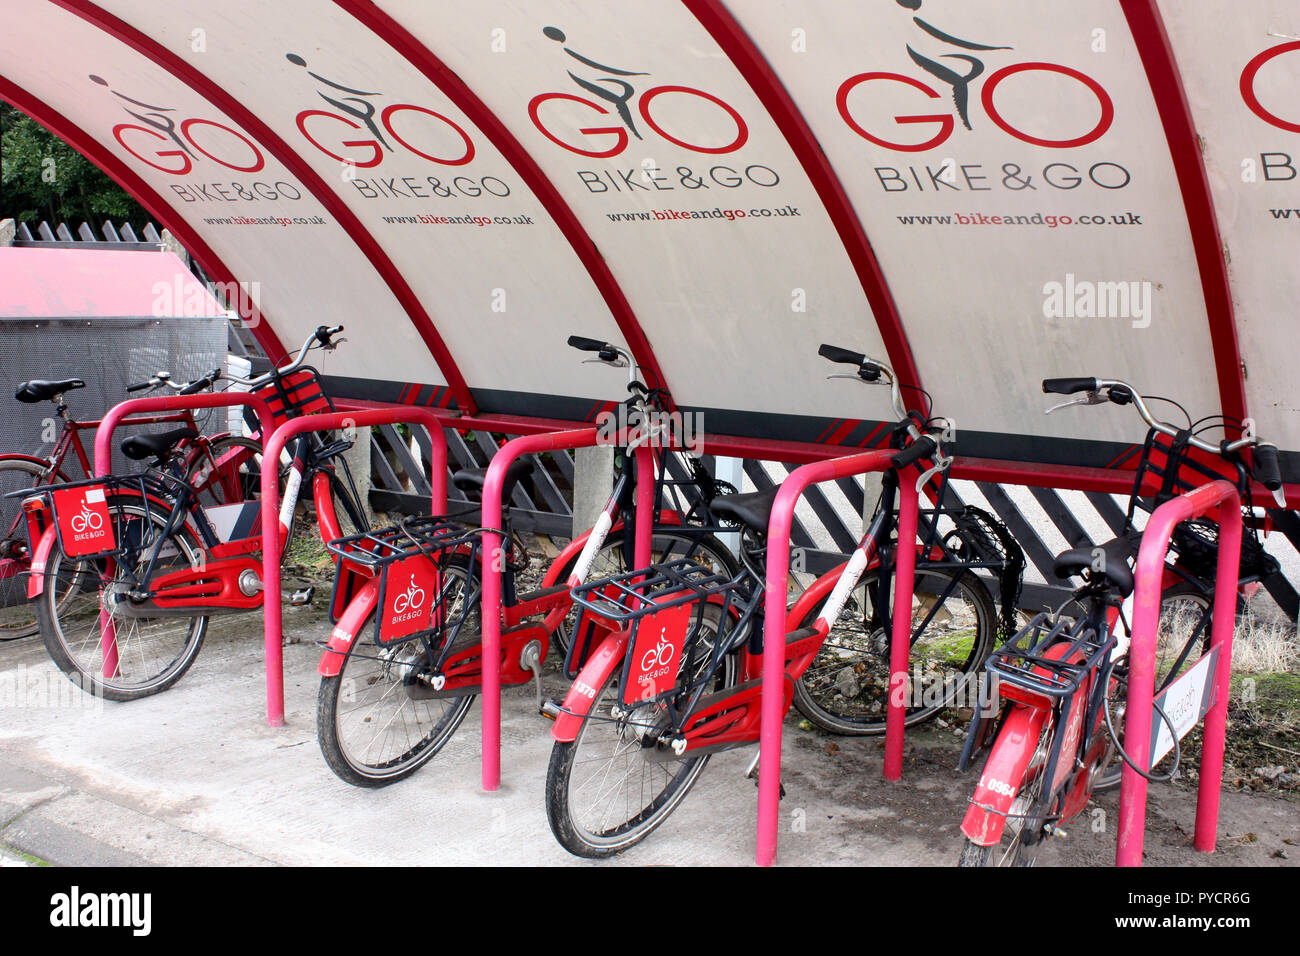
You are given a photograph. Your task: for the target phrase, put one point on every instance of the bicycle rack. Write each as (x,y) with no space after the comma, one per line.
(494,564)
(774,629)
(360,418)
(103,462)
(1221,498)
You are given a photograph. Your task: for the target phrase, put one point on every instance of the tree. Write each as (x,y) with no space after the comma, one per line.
(42,177)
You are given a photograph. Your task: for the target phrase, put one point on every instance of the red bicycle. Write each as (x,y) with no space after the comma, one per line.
(127,569)
(1055,741)
(667,670)
(221,467)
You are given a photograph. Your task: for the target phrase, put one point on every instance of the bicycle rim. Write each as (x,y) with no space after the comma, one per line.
(151,653)
(846,687)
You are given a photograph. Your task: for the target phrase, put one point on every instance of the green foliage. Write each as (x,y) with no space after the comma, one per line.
(42,177)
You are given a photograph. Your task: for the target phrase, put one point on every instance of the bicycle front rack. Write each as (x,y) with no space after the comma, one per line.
(662,608)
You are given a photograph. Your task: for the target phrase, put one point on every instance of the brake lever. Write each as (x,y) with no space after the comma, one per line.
(857,378)
(941,463)
(619,362)
(1094,397)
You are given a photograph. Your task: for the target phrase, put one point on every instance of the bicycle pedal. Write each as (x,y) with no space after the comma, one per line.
(302,596)
(751,772)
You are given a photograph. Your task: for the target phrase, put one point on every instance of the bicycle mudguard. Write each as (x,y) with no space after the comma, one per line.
(40,556)
(1004,772)
(347,629)
(608,657)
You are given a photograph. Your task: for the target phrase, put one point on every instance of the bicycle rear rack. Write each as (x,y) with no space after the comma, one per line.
(1047,660)
(662,608)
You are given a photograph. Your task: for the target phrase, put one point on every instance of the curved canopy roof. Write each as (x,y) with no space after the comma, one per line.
(983,194)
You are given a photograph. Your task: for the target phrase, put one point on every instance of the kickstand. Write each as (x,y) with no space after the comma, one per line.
(531,658)
(752,771)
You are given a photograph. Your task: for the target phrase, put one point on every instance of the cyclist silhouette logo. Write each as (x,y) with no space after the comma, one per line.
(661,655)
(87,520)
(411,599)
(154,119)
(610,88)
(354,105)
(162,123)
(959,82)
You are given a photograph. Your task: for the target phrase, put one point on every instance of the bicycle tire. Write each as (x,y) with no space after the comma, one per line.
(82,661)
(568,826)
(366,766)
(845,689)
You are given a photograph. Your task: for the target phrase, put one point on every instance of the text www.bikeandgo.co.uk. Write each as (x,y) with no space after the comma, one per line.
(682,215)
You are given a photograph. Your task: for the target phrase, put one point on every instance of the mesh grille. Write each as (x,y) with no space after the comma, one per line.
(108,354)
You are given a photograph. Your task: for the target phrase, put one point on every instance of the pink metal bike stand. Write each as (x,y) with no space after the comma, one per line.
(103,462)
(774,630)
(1221,498)
(273,626)
(493,564)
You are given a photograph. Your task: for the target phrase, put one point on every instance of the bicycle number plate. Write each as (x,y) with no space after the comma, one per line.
(83,521)
(1184,702)
(656,656)
(410,599)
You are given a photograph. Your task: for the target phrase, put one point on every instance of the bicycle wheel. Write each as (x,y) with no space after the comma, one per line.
(1027,815)
(1182,637)
(226,470)
(605,792)
(152,653)
(845,689)
(373,720)
(667,545)
(17,613)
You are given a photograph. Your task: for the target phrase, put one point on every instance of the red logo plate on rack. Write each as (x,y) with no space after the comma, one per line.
(412,592)
(657,655)
(84,525)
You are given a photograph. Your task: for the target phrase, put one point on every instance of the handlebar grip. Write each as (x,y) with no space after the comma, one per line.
(201,384)
(587,345)
(139,386)
(1068,386)
(324,333)
(923,447)
(1267,470)
(843,356)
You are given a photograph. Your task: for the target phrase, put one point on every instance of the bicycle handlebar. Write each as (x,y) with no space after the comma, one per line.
(323,338)
(1265,470)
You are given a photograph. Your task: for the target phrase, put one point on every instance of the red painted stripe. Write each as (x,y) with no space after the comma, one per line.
(424,60)
(142,192)
(828,429)
(870,439)
(841,433)
(735,42)
(201,84)
(1153,46)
